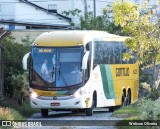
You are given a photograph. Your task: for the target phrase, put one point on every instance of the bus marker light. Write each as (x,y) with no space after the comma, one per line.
(87,101)
(55,104)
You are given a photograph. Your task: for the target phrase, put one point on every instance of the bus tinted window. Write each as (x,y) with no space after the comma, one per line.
(110,53)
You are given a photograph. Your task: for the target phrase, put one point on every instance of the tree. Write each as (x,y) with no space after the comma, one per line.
(3,34)
(103,22)
(72,13)
(15,81)
(144,34)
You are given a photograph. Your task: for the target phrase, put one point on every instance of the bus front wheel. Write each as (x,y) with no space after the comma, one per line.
(44,112)
(89,111)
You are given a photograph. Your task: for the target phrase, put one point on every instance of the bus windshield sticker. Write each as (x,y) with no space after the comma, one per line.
(45,50)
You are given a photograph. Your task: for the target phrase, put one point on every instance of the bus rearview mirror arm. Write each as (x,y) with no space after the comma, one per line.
(85,60)
(24,60)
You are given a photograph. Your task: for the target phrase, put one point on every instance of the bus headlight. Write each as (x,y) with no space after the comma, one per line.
(34,95)
(77,94)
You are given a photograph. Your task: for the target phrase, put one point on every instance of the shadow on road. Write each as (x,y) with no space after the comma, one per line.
(58,114)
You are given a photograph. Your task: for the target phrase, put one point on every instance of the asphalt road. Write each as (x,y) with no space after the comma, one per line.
(69,120)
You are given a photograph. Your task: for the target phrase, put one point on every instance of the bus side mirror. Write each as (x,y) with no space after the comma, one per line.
(85,59)
(24,60)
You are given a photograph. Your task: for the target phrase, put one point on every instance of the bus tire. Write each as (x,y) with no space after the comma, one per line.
(89,111)
(124,100)
(111,109)
(44,112)
(129,98)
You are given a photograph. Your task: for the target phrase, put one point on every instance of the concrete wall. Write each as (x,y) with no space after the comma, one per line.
(21,34)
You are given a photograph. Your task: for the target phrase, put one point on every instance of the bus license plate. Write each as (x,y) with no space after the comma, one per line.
(55,104)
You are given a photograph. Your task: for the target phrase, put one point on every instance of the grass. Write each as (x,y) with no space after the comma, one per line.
(25,109)
(131,112)
(137,127)
(11,111)
(7,113)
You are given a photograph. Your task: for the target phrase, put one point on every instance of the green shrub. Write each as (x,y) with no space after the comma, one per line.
(14,80)
(150,109)
(144,89)
(154,94)
(20,87)
(26,110)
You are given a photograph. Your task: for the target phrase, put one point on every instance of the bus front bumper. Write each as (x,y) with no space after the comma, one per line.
(71,103)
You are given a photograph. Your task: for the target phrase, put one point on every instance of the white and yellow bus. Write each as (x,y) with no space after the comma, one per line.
(80,70)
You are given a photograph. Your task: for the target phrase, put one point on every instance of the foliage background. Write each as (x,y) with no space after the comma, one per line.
(15,80)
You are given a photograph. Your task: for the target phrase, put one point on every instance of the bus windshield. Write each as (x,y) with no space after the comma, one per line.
(57,67)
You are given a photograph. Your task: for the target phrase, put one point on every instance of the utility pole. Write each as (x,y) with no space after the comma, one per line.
(72,8)
(94,8)
(85,6)
(85,9)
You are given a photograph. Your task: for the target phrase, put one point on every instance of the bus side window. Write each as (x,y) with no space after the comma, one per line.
(87,72)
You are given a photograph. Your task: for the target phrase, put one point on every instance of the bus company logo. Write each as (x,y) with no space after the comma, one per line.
(122,72)
(54,98)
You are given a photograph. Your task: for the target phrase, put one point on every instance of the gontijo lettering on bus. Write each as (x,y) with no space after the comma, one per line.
(122,72)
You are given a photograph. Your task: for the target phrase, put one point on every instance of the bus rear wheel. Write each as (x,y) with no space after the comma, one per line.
(44,112)
(111,109)
(124,100)
(129,98)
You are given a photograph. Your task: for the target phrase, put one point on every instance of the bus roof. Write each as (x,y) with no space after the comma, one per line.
(74,38)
